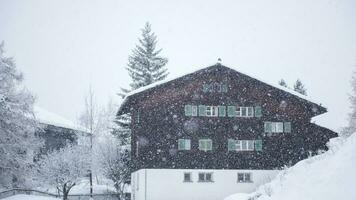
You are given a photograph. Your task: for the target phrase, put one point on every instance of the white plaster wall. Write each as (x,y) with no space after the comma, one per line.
(167,184)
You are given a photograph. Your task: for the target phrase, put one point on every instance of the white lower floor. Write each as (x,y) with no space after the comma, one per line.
(195,184)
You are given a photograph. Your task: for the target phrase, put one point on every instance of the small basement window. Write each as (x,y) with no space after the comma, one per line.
(244,178)
(206,177)
(187,177)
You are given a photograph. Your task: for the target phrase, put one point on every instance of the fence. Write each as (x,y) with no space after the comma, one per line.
(15,191)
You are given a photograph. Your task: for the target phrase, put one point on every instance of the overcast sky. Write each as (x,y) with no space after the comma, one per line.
(64,46)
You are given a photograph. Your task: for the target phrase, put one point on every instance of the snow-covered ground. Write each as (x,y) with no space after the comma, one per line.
(328,176)
(28,197)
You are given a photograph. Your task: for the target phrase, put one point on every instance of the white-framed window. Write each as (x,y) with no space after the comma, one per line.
(205,177)
(244,112)
(183,144)
(241,145)
(205,144)
(212,111)
(244,177)
(275,127)
(187,177)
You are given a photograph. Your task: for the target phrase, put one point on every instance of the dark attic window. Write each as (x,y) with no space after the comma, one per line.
(215,87)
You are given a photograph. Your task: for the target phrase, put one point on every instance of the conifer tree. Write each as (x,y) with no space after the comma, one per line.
(351,128)
(18,143)
(299,87)
(145,66)
(283,83)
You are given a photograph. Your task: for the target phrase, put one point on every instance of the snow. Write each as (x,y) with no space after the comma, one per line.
(141,89)
(46,117)
(29,197)
(328,176)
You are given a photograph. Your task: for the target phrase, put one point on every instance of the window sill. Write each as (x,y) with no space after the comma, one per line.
(244,181)
(187,181)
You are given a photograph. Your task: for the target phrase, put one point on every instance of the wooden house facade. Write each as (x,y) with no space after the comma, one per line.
(217,121)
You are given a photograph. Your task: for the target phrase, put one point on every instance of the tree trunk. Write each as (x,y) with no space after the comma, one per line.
(65,192)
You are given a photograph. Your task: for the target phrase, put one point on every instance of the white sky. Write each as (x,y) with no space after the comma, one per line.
(62,46)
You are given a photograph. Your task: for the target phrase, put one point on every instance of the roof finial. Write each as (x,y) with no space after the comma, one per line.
(219,60)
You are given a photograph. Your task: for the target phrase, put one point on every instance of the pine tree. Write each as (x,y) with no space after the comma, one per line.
(299,87)
(351,128)
(145,66)
(283,83)
(17,125)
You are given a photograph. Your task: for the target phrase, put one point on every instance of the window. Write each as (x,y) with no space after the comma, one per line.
(183,144)
(187,177)
(205,144)
(241,145)
(138,116)
(244,112)
(202,110)
(244,177)
(205,177)
(249,112)
(212,111)
(277,127)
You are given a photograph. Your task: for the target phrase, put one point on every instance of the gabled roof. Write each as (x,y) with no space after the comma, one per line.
(45,117)
(131,95)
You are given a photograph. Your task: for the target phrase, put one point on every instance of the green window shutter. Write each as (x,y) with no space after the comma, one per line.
(258,111)
(222,111)
(209,144)
(287,127)
(258,145)
(201,145)
(202,110)
(188,110)
(268,127)
(231,111)
(181,144)
(231,145)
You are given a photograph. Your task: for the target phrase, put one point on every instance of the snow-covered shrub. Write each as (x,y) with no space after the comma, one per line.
(63,168)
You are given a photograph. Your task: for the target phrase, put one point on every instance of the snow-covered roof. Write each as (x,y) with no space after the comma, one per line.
(141,89)
(46,117)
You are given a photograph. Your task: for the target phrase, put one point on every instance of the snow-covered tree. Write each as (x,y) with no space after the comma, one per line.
(115,161)
(63,168)
(145,66)
(282,83)
(17,125)
(351,128)
(299,87)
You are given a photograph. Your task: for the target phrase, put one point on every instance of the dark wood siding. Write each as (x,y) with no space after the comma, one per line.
(162,123)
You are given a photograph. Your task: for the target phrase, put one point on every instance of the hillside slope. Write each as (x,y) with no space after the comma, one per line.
(328,176)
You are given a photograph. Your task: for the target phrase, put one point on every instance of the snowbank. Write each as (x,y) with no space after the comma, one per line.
(328,176)
(28,197)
